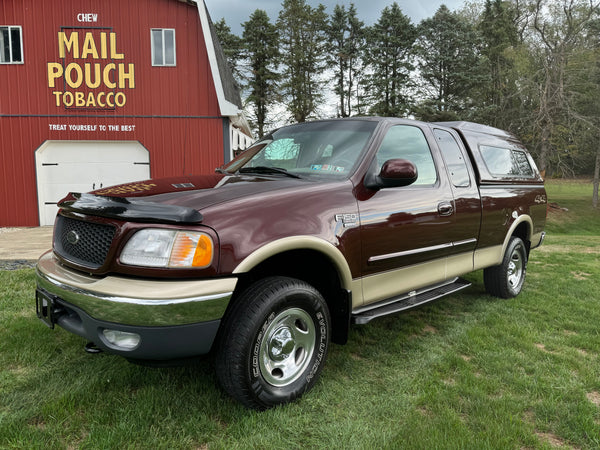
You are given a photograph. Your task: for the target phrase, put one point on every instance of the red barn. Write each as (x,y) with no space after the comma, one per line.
(99,93)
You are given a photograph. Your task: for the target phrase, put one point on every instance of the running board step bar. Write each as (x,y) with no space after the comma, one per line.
(409,301)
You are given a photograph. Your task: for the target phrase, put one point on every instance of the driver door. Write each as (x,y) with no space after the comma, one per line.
(405,230)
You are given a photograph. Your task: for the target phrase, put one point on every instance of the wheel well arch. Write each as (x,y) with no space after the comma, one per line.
(521,228)
(313,266)
(523,231)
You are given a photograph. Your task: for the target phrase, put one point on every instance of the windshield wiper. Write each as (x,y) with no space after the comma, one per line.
(223,171)
(265,169)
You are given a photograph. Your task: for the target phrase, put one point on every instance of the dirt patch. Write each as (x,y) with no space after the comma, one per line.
(581,276)
(543,348)
(424,411)
(37,422)
(429,329)
(356,357)
(594,397)
(551,439)
(529,417)
(555,207)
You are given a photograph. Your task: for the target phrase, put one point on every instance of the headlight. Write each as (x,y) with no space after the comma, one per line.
(153,247)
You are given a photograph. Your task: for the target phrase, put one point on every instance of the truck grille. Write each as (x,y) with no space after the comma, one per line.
(84,243)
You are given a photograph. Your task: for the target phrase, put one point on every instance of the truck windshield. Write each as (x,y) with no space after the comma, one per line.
(327,148)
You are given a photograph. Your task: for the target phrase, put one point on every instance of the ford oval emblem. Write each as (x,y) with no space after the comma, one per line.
(72,237)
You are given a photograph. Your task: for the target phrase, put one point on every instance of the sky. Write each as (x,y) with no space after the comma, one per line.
(235,12)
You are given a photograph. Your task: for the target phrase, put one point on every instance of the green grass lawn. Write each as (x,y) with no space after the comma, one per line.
(468,371)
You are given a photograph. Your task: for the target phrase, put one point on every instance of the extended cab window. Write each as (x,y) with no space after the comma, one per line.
(504,162)
(408,142)
(455,160)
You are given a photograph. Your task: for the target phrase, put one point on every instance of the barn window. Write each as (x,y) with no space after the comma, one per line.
(11,45)
(163,47)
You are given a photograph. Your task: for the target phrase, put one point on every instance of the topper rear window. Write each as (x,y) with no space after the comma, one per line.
(505,162)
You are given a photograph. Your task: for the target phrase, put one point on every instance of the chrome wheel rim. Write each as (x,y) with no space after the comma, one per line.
(515,267)
(287,347)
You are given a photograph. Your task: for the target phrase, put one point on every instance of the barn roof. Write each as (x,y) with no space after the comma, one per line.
(230,102)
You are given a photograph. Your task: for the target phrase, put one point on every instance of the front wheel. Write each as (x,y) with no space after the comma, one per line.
(506,280)
(273,343)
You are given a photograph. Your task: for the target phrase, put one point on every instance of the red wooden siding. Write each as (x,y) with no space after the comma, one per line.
(172,111)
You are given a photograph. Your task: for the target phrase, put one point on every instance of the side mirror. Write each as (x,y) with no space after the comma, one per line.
(393,173)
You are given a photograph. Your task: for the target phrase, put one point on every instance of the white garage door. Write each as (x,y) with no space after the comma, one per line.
(70,166)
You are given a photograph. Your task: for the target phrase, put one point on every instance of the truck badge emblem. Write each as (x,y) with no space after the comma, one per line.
(72,237)
(348,220)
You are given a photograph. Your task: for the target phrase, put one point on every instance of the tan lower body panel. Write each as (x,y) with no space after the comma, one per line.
(393,283)
(487,257)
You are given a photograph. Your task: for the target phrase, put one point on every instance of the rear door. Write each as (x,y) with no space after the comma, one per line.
(467,202)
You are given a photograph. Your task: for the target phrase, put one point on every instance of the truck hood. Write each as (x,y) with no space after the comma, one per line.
(173,200)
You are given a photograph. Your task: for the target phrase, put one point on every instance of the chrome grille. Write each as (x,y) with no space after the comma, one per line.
(84,243)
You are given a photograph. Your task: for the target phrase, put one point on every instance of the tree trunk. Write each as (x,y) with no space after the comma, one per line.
(596,179)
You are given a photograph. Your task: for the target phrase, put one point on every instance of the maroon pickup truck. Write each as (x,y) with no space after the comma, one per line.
(315,227)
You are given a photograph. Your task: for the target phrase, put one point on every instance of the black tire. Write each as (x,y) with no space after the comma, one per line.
(506,280)
(273,343)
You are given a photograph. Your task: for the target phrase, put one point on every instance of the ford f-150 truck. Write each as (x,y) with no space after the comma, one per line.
(315,227)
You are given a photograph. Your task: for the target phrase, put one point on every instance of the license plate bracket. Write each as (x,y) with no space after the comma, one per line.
(45,307)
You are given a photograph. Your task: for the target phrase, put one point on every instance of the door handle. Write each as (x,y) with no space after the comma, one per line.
(445,209)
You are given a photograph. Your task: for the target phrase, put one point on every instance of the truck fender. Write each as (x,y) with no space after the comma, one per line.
(523,218)
(299,243)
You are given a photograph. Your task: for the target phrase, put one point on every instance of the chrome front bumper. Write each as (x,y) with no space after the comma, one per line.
(140,302)
(170,319)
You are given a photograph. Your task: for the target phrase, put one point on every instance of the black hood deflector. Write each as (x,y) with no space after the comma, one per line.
(129,209)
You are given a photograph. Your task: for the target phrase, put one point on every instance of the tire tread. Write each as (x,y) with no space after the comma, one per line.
(239,326)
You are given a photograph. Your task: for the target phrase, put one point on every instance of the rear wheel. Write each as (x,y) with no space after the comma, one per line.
(273,343)
(506,280)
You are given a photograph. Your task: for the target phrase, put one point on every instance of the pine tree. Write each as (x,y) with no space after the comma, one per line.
(346,41)
(450,66)
(232,48)
(302,44)
(261,48)
(389,53)
(499,34)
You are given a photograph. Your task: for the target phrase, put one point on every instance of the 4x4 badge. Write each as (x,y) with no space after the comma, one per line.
(348,220)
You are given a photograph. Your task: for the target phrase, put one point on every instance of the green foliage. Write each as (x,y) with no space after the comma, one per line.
(389,54)
(302,44)
(346,42)
(261,48)
(232,47)
(449,65)
(499,34)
